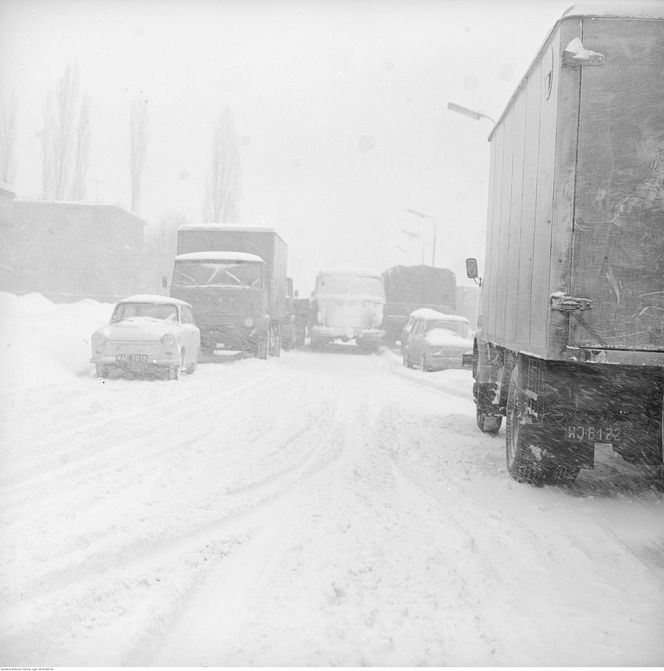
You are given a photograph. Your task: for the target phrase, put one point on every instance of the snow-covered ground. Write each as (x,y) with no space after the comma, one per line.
(324,508)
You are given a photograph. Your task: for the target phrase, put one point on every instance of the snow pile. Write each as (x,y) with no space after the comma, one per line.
(42,343)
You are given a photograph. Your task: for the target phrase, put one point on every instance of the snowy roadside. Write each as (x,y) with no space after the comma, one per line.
(317,509)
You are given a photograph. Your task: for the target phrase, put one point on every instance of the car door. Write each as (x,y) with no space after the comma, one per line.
(415,339)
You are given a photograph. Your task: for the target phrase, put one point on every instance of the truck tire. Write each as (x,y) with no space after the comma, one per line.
(518,457)
(275,340)
(488,423)
(263,345)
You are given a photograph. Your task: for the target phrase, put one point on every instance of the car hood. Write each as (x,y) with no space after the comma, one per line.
(445,338)
(138,328)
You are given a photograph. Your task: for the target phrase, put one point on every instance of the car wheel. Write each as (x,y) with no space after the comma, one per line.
(191,368)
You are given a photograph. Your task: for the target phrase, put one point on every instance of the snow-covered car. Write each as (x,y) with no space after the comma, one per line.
(148,334)
(420,313)
(436,341)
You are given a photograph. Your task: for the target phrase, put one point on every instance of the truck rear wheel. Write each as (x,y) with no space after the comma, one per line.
(262,345)
(518,456)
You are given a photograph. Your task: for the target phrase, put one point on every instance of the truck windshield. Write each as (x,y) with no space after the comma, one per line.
(350,284)
(619,209)
(218,274)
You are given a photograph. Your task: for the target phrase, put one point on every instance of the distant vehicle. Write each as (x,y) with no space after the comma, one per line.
(235,279)
(408,288)
(435,340)
(347,305)
(147,334)
(570,344)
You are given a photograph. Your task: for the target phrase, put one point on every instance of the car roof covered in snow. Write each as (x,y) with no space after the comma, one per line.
(428,313)
(153,298)
(219,256)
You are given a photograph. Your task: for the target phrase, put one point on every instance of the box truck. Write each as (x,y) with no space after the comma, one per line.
(235,279)
(570,342)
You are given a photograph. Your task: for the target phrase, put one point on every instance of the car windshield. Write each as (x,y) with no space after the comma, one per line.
(218,274)
(460,328)
(350,284)
(154,310)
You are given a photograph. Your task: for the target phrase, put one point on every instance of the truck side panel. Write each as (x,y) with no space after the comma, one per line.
(516,217)
(519,268)
(524,323)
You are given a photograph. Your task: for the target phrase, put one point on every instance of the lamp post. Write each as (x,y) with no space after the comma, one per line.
(433,221)
(460,109)
(412,235)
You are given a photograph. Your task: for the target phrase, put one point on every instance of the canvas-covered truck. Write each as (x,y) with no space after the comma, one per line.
(235,279)
(570,342)
(408,288)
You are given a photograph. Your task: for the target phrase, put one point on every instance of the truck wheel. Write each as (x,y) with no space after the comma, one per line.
(488,423)
(263,345)
(275,341)
(517,454)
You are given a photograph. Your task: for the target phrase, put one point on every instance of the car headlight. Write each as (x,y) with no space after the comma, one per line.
(98,342)
(168,343)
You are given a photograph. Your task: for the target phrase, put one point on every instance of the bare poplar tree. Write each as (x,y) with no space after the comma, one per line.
(65,138)
(138,148)
(223,184)
(81,150)
(7,140)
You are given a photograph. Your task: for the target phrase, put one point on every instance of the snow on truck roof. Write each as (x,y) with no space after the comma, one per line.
(625,9)
(219,256)
(350,270)
(225,227)
(153,298)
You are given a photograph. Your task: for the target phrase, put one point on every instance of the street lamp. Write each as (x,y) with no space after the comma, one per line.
(433,221)
(412,235)
(468,112)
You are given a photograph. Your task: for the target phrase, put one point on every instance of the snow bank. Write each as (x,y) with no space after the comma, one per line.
(44,343)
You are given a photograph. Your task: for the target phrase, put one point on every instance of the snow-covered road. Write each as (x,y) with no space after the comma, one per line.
(324,508)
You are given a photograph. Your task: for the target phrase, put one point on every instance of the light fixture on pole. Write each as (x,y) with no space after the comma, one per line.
(460,109)
(433,221)
(413,235)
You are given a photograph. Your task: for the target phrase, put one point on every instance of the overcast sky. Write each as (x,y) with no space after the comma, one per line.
(341,107)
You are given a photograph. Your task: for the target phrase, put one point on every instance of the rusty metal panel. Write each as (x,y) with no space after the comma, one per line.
(618,254)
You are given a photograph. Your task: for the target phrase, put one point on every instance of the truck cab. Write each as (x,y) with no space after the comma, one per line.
(347,305)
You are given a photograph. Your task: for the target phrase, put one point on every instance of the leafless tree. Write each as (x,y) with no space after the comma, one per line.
(7,140)
(223,185)
(65,139)
(161,246)
(138,148)
(81,150)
